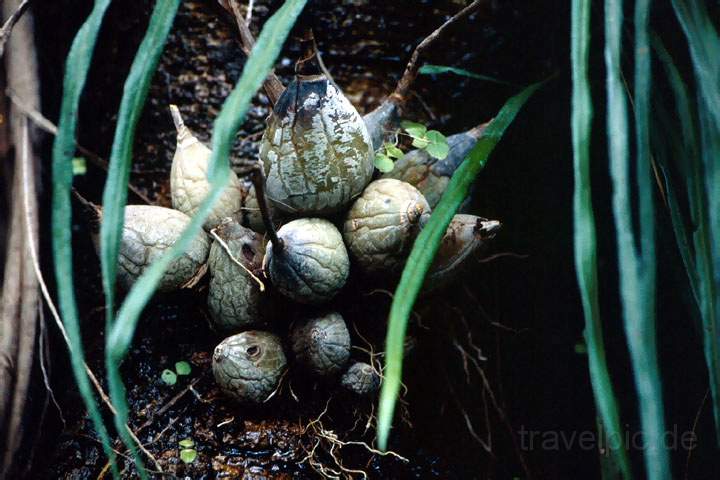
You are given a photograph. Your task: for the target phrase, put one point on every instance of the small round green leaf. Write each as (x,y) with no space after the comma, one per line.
(169,377)
(187,443)
(393,151)
(79,166)
(436,137)
(383,163)
(414,129)
(420,142)
(188,455)
(438,147)
(183,368)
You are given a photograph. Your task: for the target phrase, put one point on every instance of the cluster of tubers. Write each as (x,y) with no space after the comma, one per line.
(316,170)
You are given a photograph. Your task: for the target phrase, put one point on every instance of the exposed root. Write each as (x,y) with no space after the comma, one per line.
(326,443)
(43,356)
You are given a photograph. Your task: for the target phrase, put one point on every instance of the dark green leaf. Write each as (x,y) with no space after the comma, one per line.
(585,242)
(635,242)
(428,69)
(423,252)
(77,65)
(115,194)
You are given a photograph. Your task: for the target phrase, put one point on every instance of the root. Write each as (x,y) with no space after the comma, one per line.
(326,442)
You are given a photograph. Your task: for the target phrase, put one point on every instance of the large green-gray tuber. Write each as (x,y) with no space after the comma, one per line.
(312,265)
(248,366)
(321,344)
(234,294)
(188,178)
(381,225)
(148,232)
(316,151)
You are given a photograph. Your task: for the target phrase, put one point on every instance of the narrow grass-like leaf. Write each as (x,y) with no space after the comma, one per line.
(586,242)
(704,46)
(115,194)
(134,95)
(77,65)
(429,69)
(636,255)
(258,64)
(700,256)
(423,252)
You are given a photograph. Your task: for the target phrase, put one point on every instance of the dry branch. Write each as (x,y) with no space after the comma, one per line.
(19,315)
(274,87)
(10,22)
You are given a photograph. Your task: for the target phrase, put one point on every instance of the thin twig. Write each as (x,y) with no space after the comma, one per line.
(10,23)
(253,170)
(272,85)
(226,247)
(46,125)
(411,71)
(248,15)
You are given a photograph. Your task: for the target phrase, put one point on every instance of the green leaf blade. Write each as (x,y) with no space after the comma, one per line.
(585,239)
(429,69)
(438,146)
(135,93)
(77,65)
(636,253)
(423,252)
(232,114)
(168,377)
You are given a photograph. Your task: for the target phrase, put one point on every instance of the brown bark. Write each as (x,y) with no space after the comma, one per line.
(19,314)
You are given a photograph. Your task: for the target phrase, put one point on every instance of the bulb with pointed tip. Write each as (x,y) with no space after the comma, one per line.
(316,150)
(188,178)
